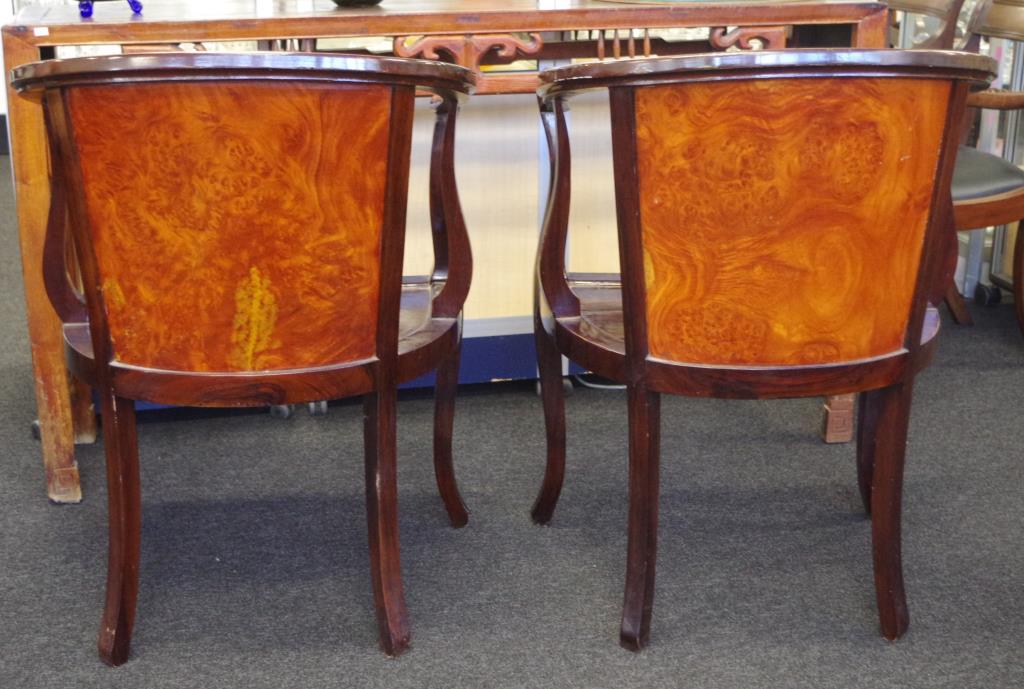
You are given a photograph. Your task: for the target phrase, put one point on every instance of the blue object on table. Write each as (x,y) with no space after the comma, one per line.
(85,7)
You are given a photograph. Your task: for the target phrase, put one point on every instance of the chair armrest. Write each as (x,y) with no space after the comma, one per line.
(996,99)
(58,249)
(552,287)
(453,259)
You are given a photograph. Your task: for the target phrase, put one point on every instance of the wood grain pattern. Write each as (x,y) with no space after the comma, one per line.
(224,231)
(774,212)
(270,264)
(742,183)
(36,29)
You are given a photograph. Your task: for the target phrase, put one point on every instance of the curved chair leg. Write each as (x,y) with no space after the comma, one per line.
(549,365)
(1018,276)
(891,411)
(382,520)
(958,307)
(444,421)
(644,438)
(122,453)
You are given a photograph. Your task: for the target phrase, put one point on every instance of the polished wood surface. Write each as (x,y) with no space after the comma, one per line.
(781,220)
(239,242)
(36,31)
(720,162)
(262,265)
(163,20)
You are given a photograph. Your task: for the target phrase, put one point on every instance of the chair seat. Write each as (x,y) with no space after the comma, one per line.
(419,334)
(978,174)
(601,312)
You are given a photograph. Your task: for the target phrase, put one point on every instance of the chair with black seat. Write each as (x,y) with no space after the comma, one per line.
(987,189)
(783,223)
(239,222)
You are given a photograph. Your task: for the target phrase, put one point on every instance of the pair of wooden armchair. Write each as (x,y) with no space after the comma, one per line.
(239,221)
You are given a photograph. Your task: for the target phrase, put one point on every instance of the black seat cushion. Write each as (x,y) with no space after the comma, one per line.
(979,174)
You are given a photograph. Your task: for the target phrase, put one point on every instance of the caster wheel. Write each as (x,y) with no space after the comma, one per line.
(318,408)
(282,411)
(36,433)
(987,295)
(85,9)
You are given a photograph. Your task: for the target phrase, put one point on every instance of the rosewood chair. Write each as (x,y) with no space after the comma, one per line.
(239,221)
(783,220)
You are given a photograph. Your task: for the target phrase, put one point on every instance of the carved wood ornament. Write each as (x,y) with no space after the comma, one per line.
(469,51)
(742,37)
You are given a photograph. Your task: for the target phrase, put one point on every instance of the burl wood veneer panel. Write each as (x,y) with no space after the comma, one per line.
(782,221)
(237,226)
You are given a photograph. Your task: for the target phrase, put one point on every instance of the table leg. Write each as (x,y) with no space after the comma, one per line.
(52,385)
(838,422)
(872,31)
(83,413)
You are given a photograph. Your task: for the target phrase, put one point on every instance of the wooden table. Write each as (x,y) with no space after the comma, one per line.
(467,30)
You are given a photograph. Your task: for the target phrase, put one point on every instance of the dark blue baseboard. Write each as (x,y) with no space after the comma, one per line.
(487,359)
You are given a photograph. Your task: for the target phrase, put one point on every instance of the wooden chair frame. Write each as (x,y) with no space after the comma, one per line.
(886,381)
(399,357)
(995,19)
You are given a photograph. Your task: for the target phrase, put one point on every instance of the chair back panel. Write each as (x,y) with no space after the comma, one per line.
(783,220)
(236,225)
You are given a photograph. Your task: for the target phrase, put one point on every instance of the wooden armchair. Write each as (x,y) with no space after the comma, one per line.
(988,190)
(783,231)
(239,221)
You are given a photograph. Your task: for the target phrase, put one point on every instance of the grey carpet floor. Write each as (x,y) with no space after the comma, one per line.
(254,569)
